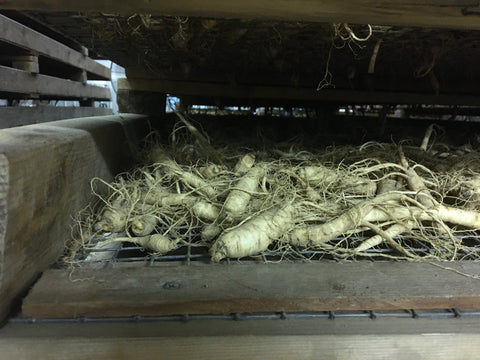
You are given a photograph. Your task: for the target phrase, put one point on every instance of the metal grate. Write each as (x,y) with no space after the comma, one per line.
(185,254)
(331,315)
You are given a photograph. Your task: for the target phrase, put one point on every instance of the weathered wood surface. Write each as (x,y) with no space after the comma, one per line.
(220,289)
(45,173)
(22,82)
(31,40)
(435,13)
(19,115)
(242,92)
(226,326)
(342,338)
(369,347)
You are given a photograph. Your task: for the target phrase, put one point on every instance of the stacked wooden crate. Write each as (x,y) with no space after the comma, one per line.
(34,66)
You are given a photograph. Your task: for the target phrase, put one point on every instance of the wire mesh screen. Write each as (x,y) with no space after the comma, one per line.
(101,250)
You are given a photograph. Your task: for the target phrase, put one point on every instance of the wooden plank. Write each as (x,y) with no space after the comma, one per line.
(29,20)
(224,289)
(22,36)
(217,327)
(4,181)
(240,92)
(430,13)
(439,338)
(430,346)
(22,82)
(18,115)
(45,173)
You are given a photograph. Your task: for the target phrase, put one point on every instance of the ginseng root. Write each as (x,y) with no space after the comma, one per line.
(253,236)
(238,198)
(143,225)
(158,243)
(114,217)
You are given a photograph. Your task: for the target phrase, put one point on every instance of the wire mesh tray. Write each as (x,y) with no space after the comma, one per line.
(192,251)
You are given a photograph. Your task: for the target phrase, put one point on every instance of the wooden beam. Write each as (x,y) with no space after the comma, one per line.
(223,289)
(45,173)
(29,20)
(241,93)
(24,37)
(291,324)
(427,346)
(22,82)
(432,13)
(19,115)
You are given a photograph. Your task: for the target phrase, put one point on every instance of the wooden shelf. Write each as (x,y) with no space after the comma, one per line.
(461,14)
(224,289)
(18,115)
(21,82)
(262,339)
(19,35)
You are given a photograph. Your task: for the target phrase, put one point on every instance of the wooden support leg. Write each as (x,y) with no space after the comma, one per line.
(80,76)
(25,62)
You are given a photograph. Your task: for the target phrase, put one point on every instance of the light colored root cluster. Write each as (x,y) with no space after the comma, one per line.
(346,201)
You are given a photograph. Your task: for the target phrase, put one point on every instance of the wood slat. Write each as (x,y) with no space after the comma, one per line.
(22,36)
(223,289)
(429,346)
(18,115)
(211,327)
(23,82)
(45,173)
(432,13)
(203,89)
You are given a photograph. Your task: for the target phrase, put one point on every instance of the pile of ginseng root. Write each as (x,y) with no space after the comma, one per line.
(243,202)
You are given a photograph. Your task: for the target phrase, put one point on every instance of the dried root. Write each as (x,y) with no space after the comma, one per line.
(339,202)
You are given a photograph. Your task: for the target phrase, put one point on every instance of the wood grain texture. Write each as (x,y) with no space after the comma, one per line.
(259,327)
(342,338)
(433,13)
(4,181)
(22,82)
(46,171)
(26,38)
(20,116)
(243,92)
(416,346)
(220,289)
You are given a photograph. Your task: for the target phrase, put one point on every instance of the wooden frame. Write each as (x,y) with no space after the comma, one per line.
(462,14)
(22,82)
(17,34)
(252,339)
(45,173)
(44,176)
(11,116)
(225,289)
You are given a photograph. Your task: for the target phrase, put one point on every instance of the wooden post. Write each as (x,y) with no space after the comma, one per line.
(80,76)
(26,63)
